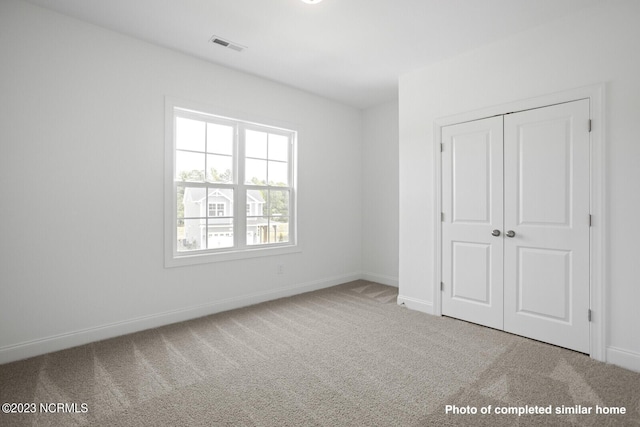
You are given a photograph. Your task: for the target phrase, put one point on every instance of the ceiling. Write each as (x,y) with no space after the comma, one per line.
(351,51)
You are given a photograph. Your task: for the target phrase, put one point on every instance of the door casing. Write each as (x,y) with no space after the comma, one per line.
(597,172)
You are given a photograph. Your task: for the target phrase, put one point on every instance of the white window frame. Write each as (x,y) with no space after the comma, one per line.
(240,250)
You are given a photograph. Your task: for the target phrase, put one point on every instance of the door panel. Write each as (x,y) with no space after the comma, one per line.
(544,156)
(471,272)
(546,190)
(540,286)
(472,206)
(471,177)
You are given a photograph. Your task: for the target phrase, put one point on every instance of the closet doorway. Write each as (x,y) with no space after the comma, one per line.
(515,226)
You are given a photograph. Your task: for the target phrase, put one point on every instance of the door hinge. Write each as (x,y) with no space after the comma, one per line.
(589,315)
(441,147)
(442,286)
(590,220)
(442,216)
(589,125)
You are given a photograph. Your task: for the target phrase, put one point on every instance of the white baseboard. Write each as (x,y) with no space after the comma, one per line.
(41,346)
(624,358)
(380,278)
(416,304)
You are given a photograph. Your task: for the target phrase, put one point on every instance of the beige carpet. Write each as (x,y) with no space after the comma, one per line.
(344,356)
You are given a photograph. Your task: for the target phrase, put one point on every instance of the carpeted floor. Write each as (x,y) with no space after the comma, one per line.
(343,356)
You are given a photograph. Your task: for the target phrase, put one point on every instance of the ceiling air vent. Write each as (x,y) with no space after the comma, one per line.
(228,44)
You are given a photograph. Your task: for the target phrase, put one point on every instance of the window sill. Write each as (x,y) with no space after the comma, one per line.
(231,255)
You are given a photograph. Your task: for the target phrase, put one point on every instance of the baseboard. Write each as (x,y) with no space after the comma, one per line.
(416,304)
(380,278)
(624,358)
(41,346)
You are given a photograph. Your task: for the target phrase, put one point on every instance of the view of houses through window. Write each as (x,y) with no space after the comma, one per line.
(221,164)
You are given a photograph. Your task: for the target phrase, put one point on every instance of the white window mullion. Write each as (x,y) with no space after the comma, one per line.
(240,210)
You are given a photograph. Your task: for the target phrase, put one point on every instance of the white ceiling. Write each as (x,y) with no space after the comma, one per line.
(349,50)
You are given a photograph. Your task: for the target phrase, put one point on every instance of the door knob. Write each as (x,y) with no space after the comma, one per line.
(511,233)
(495,233)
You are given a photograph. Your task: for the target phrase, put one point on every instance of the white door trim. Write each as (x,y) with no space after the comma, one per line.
(598,249)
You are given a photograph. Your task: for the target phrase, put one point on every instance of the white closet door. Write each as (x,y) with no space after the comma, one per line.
(472,206)
(546,262)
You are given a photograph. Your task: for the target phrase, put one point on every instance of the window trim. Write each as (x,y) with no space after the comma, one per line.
(241,250)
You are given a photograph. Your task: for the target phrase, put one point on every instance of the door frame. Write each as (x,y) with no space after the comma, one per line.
(597,191)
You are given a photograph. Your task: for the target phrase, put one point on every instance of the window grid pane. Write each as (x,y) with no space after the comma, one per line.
(189,234)
(190,134)
(278,147)
(190,166)
(269,219)
(220,139)
(255,171)
(219,233)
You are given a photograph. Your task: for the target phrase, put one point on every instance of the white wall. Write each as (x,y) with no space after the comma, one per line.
(380,194)
(596,45)
(81,185)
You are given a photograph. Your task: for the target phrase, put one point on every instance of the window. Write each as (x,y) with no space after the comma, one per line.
(215,165)
(216,209)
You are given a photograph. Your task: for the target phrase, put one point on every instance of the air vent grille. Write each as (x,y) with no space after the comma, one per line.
(228,44)
(222,42)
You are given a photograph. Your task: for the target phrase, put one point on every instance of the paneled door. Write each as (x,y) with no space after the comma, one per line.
(546,257)
(472,244)
(515,227)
